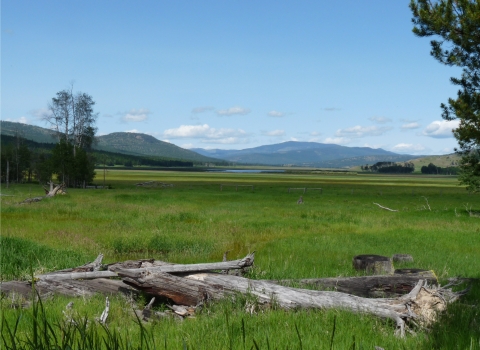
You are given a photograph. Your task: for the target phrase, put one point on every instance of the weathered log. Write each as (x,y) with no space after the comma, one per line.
(365,286)
(180,268)
(374,264)
(32,200)
(138,272)
(421,304)
(73,288)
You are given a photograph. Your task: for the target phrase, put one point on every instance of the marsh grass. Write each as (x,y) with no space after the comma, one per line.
(196,222)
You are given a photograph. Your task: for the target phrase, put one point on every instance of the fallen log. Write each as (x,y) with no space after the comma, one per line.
(138,272)
(71,288)
(179,268)
(365,286)
(53,191)
(420,305)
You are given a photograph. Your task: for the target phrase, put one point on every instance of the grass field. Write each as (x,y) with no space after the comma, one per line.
(196,222)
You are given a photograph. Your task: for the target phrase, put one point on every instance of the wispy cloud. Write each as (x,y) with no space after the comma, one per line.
(207,134)
(410,126)
(380,120)
(135,131)
(40,113)
(331,109)
(408,148)
(337,140)
(362,131)
(276,133)
(441,128)
(372,146)
(22,120)
(276,114)
(233,111)
(197,110)
(136,115)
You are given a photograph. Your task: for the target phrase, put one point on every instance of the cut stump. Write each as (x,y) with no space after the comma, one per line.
(373,264)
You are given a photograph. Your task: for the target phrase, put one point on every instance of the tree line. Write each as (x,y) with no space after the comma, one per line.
(390,168)
(71,160)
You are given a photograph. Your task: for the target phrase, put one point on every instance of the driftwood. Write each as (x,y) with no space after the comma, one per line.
(420,306)
(187,287)
(366,286)
(49,192)
(138,272)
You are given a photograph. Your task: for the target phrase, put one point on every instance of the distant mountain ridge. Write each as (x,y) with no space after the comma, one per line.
(118,142)
(290,153)
(143,144)
(311,154)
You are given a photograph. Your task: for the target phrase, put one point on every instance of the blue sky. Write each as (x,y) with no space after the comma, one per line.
(232,74)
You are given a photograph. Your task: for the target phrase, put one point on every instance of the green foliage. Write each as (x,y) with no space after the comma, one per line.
(15,151)
(457,23)
(72,166)
(433,169)
(196,222)
(19,255)
(390,168)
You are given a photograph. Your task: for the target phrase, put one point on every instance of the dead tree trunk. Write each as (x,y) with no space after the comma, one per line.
(420,304)
(366,286)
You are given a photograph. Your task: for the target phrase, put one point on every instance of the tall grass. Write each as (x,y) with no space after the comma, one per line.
(196,222)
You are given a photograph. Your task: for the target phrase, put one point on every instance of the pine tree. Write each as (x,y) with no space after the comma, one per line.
(457,24)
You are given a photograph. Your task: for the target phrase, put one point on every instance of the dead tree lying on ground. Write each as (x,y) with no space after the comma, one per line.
(49,192)
(194,284)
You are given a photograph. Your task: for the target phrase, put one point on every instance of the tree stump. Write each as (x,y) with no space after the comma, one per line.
(374,264)
(402,258)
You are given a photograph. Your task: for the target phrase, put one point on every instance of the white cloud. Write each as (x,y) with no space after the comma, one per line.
(276,114)
(136,115)
(380,120)
(135,131)
(410,126)
(331,109)
(408,148)
(202,109)
(207,134)
(441,129)
(275,133)
(337,140)
(362,131)
(187,145)
(372,146)
(22,120)
(40,113)
(233,111)
(315,133)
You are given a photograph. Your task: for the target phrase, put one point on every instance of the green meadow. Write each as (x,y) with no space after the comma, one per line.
(437,223)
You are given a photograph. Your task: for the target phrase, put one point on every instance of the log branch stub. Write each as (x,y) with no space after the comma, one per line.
(374,264)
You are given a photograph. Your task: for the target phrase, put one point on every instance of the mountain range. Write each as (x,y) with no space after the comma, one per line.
(291,153)
(311,154)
